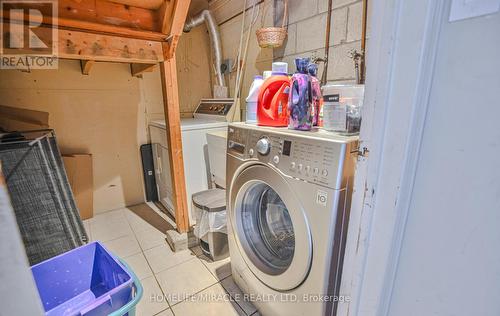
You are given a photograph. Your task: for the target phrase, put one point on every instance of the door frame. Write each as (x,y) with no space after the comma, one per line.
(401,55)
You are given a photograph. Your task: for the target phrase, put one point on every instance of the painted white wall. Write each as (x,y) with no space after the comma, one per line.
(449,262)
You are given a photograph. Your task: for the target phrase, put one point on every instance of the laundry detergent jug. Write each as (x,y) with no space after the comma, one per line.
(300,98)
(273,101)
(252,99)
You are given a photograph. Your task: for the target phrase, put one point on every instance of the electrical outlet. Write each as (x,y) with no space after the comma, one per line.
(226,67)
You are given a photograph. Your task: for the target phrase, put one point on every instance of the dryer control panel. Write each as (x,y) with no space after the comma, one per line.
(303,156)
(215,109)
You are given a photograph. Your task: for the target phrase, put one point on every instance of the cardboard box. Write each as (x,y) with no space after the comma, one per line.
(80,176)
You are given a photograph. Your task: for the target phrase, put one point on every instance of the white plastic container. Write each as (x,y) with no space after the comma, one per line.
(342,106)
(251,100)
(280,67)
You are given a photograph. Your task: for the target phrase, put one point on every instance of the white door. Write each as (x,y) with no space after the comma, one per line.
(451,236)
(271,228)
(424,224)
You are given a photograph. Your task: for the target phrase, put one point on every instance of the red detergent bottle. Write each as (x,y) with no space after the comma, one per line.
(272,104)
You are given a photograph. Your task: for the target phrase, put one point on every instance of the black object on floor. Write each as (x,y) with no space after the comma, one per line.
(148,170)
(42,199)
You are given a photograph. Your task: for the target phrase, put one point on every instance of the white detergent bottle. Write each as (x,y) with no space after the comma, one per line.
(251,100)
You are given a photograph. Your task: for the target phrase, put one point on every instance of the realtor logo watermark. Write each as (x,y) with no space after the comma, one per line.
(28,34)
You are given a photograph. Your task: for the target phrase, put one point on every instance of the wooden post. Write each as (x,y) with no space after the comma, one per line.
(172,17)
(168,73)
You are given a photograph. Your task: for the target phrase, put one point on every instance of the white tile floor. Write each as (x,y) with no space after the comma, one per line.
(183,283)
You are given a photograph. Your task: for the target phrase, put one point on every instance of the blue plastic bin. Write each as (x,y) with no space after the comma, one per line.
(87,281)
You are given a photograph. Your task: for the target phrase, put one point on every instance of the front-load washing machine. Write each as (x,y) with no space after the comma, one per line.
(288,204)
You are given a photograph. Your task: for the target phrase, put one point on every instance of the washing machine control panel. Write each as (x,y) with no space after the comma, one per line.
(308,159)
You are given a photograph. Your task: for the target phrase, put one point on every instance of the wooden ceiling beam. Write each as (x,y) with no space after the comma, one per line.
(173,16)
(101,17)
(146,4)
(102,12)
(82,45)
(110,30)
(104,17)
(164,14)
(105,12)
(98,47)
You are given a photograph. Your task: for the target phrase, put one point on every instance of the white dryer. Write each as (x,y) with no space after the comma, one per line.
(210,115)
(288,201)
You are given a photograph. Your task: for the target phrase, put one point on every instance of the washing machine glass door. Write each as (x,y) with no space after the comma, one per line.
(271,228)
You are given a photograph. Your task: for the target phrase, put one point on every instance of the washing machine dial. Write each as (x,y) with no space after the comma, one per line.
(263,146)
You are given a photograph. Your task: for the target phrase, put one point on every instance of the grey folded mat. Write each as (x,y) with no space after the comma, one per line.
(40,194)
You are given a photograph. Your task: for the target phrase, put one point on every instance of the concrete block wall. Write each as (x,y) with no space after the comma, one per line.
(307,32)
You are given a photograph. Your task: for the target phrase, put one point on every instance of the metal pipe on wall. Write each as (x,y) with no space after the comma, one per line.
(206,17)
(362,70)
(324,75)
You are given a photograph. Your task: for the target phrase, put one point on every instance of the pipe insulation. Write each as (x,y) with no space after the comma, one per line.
(207,17)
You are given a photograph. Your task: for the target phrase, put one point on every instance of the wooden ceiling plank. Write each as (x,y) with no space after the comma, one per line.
(110,30)
(146,4)
(95,17)
(104,12)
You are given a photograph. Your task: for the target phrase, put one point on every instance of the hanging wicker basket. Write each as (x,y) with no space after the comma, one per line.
(273,37)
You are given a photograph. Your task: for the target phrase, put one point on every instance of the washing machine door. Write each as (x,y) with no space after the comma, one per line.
(270,227)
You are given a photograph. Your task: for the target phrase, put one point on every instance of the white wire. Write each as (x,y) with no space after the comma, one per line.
(243,65)
(238,68)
